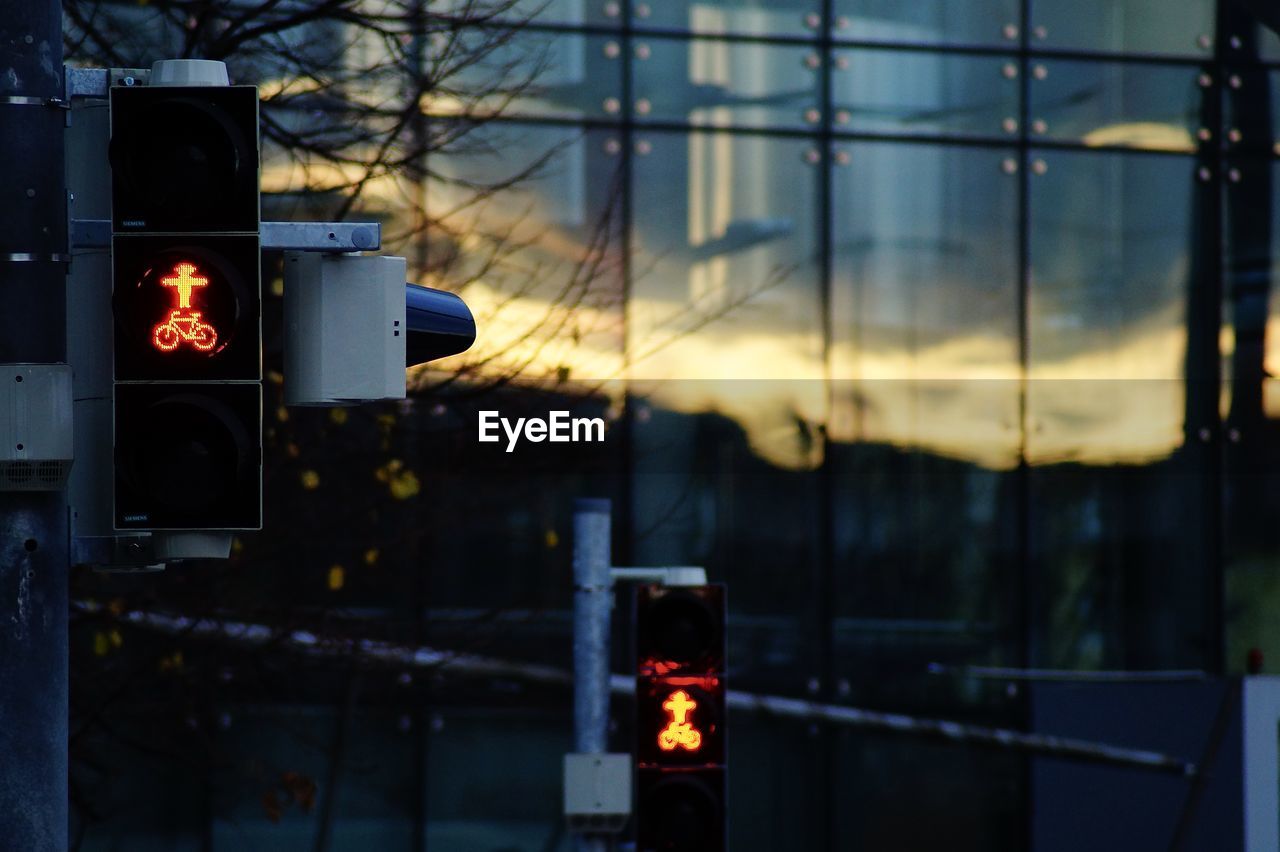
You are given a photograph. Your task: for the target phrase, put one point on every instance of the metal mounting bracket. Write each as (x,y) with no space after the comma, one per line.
(276,236)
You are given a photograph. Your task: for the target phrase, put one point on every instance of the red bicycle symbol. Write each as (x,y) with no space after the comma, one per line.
(184,326)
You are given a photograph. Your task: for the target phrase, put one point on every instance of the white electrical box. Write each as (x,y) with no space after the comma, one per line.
(345,328)
(35,427)
(597,792)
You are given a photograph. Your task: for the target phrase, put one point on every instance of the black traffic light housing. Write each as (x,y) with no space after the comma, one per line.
(187,306)
(439,324)
(681,750)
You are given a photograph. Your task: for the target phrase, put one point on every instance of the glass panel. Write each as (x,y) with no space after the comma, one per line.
(883,91)
(1253,110)
(1251,351)
(926,419)
(1116,501)
(1179,27)
(531,73)
(1110,104)
(725,342)
(718,84)
(777,796)
(596,13)
(280,763)
(929,21)
(974,798)
(495,780)
(741,17)
(543,261)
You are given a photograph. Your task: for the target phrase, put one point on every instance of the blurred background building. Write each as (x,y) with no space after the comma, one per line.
(940,330)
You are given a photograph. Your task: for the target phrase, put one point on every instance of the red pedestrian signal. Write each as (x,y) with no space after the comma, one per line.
(680,720)
(184,324)
(186,299)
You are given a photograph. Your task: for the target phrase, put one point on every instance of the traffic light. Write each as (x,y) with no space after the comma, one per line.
(186,300)
(680,721)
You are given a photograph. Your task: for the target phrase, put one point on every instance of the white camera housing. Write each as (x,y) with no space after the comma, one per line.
(345,332)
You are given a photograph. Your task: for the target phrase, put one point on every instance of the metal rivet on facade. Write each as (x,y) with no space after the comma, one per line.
(612,10)
(814,686)
(1204,174)
(1204,81)
(642,10)
(643,51)
(612,49)
(812,61)
(1233,175)
(1233,435)
(612,105)
(1039,167)
(1234,81)
(1009,166)
(1204,134)
(813,20)
(1009,70)
(1041,33)
(1204,434)
(31,193)
(842,23)
(404,724)
(1040,72)
(1204,41)
(1010,31)
(842,63)
(1040,126)
(843,688)
(843,158)
(1234,135)
(643,107)
(1236,43)
(812,156)
(644,148)
(1010,125)
(28,39)
(612,147)
(843,116)
(437,723)
(812,116)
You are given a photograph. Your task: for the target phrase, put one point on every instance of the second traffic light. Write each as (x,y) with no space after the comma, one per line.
(186,300)
(681,750)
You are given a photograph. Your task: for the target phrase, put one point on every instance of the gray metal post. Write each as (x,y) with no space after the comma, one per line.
(592,605)
(33,525)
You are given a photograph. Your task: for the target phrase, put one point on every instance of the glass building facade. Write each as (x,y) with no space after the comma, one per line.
(939,330)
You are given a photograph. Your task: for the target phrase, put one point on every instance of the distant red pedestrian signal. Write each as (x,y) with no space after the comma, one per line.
(680,720)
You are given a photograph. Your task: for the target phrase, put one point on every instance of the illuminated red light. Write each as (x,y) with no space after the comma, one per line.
(679,732)
(184,324)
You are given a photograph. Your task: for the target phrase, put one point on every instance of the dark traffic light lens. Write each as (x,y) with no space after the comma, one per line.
(187,456)
(682,815)
(186,139)
(683,627)
(184,159)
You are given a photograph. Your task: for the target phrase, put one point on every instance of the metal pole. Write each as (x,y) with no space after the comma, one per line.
(592,604)
(33,525)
